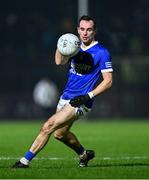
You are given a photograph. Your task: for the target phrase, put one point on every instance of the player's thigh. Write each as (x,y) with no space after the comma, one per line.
(62,118)
(62,132)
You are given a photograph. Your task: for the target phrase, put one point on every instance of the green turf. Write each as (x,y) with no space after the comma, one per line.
(122,151)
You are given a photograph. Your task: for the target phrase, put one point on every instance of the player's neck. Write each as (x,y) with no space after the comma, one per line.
(85,45)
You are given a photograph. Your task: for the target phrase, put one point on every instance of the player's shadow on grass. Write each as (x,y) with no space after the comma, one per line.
(120,164)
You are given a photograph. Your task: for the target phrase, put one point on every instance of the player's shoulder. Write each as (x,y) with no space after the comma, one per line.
(102,50)
(101,47)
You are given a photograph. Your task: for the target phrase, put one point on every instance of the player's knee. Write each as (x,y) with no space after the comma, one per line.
(59,136)
(47,128)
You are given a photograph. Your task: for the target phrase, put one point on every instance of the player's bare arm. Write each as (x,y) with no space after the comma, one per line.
(60,59)
(105,84)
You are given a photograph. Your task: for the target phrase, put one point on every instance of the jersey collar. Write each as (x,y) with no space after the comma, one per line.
(91,45)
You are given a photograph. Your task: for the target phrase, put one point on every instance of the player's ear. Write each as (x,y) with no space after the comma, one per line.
(78,29)
(95,31)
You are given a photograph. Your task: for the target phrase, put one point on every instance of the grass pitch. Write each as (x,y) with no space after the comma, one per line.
(122,151)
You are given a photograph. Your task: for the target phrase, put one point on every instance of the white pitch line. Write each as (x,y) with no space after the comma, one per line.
(124,157)
(98,158)
(36,158)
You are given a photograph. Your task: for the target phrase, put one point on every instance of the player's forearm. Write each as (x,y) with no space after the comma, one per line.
(60,59)
(103,86)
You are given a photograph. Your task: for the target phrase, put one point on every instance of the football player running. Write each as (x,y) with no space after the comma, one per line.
(86,67)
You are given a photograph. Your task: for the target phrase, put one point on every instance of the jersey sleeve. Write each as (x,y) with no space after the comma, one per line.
(105,61)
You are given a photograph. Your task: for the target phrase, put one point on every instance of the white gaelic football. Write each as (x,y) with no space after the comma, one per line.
(68,44)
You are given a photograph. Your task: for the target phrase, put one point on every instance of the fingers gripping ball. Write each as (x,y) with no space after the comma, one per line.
(68,44)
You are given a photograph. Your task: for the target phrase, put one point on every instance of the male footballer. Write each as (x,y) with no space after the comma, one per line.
(86,67)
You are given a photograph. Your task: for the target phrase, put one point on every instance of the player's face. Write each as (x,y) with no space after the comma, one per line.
(86,32)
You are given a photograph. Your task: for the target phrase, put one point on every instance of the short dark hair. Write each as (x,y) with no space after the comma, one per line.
(88,18)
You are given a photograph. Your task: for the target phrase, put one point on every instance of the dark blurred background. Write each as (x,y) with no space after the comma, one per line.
(28,35)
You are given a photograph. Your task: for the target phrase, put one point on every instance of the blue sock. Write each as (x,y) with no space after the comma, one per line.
(29,155)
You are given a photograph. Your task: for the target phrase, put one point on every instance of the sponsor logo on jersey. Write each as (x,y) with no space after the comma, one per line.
(82,63)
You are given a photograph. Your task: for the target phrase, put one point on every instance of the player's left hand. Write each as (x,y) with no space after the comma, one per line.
(80,100)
